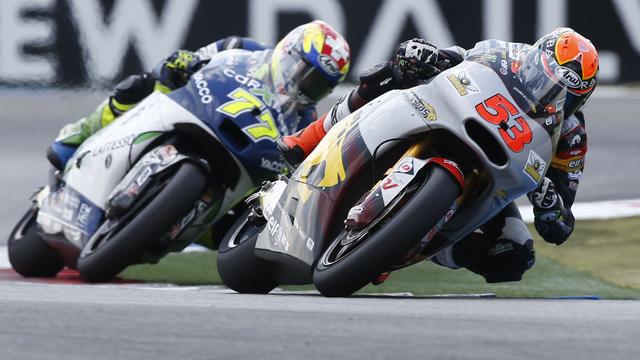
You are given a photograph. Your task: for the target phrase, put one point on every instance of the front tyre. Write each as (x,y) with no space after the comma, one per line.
(354,259)
(124,245)
(238,266)
(29,254)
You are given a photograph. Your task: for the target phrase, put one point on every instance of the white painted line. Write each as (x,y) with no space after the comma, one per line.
(599,210)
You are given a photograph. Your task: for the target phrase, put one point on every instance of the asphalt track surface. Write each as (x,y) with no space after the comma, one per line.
(124,322)
(139,321)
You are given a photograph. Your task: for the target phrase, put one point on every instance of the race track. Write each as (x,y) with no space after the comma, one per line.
(134,321)
(142,322)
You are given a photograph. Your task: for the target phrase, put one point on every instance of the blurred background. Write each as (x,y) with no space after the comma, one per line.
(59,58)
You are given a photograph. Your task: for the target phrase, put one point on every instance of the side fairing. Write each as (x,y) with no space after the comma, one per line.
(101,162)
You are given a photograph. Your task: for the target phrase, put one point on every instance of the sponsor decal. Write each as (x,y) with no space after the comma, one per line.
(405,167)
(575,175)
(114,145)
(535,167)
(83,215)
(203,88)
(389,183)
(531,104)
(242,79)
(272,165)
(423,108)
(514,51)
(328,64)
(577,163)
(463,84)
(573,185)
(144,176)
(575,140)
(504,67)
(568,76)
(550,121)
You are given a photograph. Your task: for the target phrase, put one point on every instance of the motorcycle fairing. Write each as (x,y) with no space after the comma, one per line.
(446,103)
(241,108)
(66,212)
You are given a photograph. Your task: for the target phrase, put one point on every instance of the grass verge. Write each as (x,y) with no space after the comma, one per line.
(600,259)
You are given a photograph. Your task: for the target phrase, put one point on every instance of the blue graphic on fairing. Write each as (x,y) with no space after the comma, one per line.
(70,212)
(234,96)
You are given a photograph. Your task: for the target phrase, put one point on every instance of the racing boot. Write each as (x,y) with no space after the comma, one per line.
(295,148)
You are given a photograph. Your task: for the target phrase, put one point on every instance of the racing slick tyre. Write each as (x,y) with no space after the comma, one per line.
(356,257)
(167,203)
(29,254)
(238,266)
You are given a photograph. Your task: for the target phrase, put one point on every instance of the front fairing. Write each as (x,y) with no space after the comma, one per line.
(233,96)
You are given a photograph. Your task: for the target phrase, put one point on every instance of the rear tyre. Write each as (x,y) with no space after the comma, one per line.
(123,246)
(354,259)
(29,254)
(238,266)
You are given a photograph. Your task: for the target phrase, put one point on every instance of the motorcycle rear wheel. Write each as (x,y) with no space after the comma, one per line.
(29,254)
(124,245)
(341,271)
(239,268)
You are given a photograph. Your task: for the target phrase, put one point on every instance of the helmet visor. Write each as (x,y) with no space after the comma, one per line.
(303,80)
(538,79)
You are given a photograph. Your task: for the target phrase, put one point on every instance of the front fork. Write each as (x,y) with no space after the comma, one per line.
(396,180)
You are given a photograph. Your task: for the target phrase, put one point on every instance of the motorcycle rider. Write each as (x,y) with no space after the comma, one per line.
(295,68)
(503,248)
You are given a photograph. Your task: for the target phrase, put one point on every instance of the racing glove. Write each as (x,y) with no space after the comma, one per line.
(552,220)
(417,59)
(175,71)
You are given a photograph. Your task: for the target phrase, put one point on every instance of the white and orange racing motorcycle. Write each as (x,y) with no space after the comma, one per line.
(400,179)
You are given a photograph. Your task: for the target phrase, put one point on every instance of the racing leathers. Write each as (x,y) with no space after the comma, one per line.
(502,249)
(170,74)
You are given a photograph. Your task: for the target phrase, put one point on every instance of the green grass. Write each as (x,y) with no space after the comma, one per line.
(600,259)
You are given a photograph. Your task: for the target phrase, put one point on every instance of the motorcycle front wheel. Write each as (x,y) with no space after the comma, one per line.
(356,257)
(239,268)
(102,259)
(29,254)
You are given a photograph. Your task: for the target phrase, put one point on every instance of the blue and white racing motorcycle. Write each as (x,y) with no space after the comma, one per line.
(159,176)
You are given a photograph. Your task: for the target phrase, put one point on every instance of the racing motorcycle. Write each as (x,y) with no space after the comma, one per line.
(159,176)
(399,180)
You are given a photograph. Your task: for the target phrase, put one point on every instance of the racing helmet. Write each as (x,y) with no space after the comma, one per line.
(309,62)
(561,61)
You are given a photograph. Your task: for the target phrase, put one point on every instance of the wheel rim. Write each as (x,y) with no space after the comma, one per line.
(349,241)
(24,223)
(242,233)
